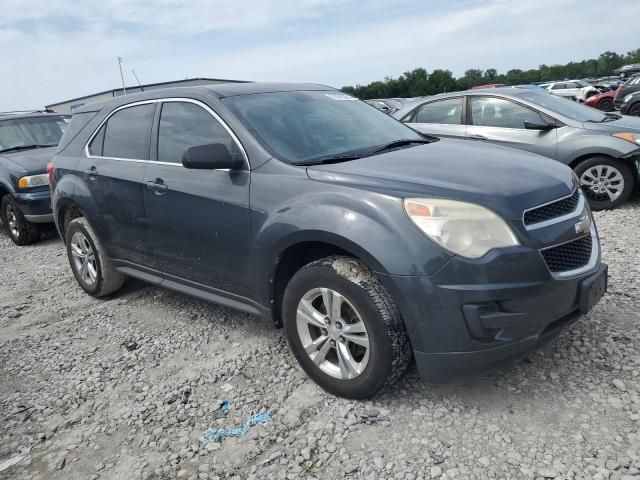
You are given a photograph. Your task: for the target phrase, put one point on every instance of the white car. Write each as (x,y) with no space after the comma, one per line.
(572,89)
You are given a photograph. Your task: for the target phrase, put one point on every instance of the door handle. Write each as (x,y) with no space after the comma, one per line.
(475,136)
(157,186)
(92,173)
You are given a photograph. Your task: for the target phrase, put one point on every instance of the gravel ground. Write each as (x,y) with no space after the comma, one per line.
(123,389)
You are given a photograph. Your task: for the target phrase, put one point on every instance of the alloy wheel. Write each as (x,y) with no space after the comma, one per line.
(12,221)
(602,182)
(333,333)
(84,258)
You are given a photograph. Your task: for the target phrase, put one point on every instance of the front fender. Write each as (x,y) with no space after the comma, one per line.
(370,225)
(592,145)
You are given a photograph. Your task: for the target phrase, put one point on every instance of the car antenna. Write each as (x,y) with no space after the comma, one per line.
(136,77)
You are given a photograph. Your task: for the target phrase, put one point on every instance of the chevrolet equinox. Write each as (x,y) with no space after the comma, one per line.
(367,241)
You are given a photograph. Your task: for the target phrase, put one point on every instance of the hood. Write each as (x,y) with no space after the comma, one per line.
(624,124)
(32,161)
(503,179)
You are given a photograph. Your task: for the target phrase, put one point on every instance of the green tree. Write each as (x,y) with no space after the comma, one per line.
(419,82)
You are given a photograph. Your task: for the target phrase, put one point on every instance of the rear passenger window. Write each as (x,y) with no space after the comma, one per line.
(444,112)
(184,125)
(127,133)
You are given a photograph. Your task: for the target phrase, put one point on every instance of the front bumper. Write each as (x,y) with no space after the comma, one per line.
(474,315)
(35,205)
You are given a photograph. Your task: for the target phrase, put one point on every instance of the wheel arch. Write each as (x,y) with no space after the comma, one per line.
(302,249)
(66,210)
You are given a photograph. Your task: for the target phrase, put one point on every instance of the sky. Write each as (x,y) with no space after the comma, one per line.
(54,50)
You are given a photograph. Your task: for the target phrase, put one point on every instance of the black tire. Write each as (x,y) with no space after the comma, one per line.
(389,348)
(107,279)
(606,105)
(19,229)
(634,109)
(601,201)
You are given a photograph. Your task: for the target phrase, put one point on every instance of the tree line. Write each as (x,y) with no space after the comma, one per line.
(419,82)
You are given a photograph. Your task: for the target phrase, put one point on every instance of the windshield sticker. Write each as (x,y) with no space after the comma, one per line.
(340,96)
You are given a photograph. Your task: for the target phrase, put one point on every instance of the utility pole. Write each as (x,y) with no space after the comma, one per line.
(124,89)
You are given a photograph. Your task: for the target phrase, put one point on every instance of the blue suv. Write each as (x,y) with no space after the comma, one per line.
(367,241)
(27,145)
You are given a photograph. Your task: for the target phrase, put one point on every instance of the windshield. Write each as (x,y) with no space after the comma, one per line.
(37,131)
(303,126)
(582,83)
(565,107)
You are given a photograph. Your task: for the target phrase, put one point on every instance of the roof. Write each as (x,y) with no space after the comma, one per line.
(36,114)
(148,85)
(218,90)
(233,89)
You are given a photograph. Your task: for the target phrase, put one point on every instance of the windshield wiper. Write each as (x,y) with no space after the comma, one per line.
(608,117)
(333,159)
(25,147)
(398,143)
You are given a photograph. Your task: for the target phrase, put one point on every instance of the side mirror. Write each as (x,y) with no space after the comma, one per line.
(211,156)
(541,125)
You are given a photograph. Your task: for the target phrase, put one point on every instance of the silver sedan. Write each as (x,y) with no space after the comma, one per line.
(602,148)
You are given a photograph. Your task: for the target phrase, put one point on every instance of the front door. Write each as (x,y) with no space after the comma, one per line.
(442,118)
(198,220)
(501,121)
(114,173)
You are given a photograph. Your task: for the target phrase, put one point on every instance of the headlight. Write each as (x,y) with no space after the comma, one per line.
(627,97)
(463,228)
(34,181)
(629,137)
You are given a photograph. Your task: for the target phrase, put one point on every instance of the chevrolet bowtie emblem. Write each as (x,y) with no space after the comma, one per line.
(584,225)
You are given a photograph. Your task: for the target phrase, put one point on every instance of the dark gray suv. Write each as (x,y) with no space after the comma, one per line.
(365,240)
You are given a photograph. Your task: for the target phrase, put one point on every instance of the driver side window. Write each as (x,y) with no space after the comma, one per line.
(184,125)
(498,112)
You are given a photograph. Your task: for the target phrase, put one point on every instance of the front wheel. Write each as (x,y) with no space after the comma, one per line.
(344,328)
(21,231)
(607,182)
(606,105)
(634,110)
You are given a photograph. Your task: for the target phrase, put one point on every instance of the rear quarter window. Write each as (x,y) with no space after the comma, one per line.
(78,122)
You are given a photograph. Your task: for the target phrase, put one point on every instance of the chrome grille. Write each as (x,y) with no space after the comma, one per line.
(569,256)
(553,210)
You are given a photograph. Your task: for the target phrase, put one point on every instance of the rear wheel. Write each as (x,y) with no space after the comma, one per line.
(344,328)
(607,182)
(90,265)
(606,105)
(21,231)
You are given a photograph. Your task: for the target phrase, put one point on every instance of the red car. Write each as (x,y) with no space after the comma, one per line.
(602,101)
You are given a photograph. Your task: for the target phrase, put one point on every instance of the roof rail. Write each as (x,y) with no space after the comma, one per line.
(17,112)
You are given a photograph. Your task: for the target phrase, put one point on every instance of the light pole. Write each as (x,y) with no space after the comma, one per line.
(124,89)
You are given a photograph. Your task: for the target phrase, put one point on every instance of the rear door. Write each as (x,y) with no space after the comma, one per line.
(442,118)
(501,121)
(113,169)
(198,220)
